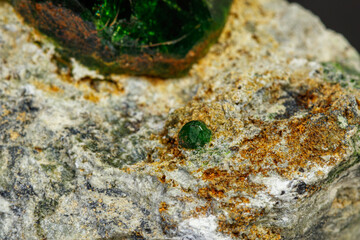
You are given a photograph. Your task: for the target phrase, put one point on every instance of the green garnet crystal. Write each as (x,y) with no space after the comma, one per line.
(160,38)
(194,134)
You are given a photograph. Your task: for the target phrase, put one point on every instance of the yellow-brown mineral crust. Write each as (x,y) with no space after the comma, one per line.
(288,146)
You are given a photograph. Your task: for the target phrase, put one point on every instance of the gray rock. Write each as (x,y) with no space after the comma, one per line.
(86,156)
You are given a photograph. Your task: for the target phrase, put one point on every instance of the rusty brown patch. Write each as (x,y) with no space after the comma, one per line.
(285,147)
(49,88)
(38,149)
(307,139)
(220,182)
(163,207)
(92,97)
(171,155)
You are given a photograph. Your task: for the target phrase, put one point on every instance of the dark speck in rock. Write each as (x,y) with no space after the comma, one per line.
(301,188)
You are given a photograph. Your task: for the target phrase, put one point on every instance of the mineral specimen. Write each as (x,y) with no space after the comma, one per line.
(142,37)
(86,158)
(194,134)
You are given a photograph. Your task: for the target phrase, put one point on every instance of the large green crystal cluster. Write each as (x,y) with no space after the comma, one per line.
(150,37)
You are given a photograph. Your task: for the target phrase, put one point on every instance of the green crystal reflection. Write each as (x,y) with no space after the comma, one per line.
(153,37)
(147,24)
(194,134)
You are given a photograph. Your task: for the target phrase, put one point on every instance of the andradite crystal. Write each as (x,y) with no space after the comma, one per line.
(160,38)
(194,134)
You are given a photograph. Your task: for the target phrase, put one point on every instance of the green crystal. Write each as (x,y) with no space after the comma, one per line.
(194,134)
(152,37)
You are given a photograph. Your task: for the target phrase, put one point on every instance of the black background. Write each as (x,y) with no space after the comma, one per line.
(342,16)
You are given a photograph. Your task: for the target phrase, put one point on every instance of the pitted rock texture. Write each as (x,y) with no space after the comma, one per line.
(87,156)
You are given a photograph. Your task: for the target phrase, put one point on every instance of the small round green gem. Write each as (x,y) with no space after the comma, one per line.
(194,134)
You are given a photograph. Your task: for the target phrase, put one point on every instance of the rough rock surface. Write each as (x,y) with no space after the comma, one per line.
(86,156)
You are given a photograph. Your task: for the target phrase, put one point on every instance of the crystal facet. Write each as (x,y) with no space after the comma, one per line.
(143,37)
(194,134)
